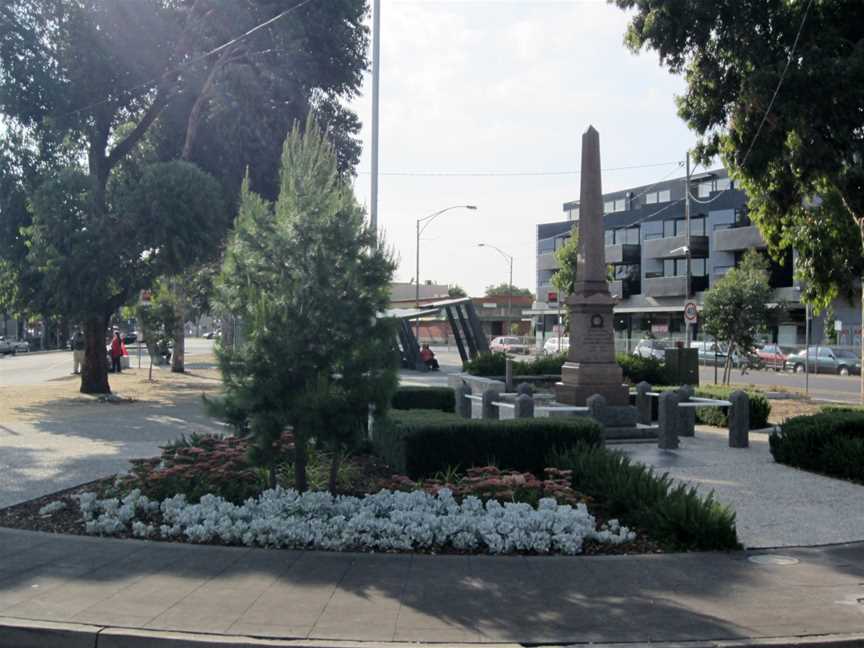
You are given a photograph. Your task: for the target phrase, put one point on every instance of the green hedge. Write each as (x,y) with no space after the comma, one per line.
(636,369)
(420,443)
(426,398)
(831,442)
(760,408)
(672,514)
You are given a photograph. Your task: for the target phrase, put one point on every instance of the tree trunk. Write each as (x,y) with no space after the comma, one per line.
(861,337)
(178,360)
(94,372)
(300,483)
(334,469)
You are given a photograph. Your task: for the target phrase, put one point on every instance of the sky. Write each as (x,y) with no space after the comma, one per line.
(502,87)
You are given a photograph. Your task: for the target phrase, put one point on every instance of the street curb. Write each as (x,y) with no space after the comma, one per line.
(26,633)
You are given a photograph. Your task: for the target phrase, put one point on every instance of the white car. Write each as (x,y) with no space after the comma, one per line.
(551,345)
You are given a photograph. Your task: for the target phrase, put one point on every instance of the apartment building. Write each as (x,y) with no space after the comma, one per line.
(646,242)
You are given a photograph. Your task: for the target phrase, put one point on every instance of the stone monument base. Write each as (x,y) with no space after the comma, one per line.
(578,395)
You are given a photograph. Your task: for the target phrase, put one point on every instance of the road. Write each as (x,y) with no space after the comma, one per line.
(40,368)
(822,387)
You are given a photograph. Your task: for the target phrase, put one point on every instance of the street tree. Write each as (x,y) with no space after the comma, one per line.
(505,289)
(567,257)
(776,88)
(307,280)
(456,290)
(736,307)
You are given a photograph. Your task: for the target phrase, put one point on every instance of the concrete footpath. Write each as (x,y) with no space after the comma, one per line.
(77,591)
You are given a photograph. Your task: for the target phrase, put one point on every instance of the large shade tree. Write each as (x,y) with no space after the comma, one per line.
(85,84)
(776,87)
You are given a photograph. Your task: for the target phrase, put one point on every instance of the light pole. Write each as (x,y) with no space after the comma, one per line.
(509,285)
(425,221)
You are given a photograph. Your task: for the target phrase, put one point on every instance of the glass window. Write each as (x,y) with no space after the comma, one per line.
(653,235)
(704,189)
(560,241)
(697,267)
(663,196)
(608,206)
(651,198)
(669,268)
(620,204)
(545,245)
(723,184)
(631,236)
(610,237)
(668,228)
(697,226)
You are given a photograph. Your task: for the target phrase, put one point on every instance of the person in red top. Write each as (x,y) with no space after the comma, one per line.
(428,357)
(116,352)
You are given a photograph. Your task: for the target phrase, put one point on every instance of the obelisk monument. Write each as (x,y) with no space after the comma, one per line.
(591,367)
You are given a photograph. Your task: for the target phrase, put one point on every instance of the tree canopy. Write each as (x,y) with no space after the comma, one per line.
(505,289)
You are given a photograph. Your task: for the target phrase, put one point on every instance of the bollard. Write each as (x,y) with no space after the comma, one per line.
(525,388)
(739,420)
(524,407)
(686,415)
(597,408)
(643,403)
(490,411)
(667,410)
(508,375)
(463,405)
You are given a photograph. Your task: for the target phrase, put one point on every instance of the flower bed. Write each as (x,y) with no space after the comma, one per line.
(385,521)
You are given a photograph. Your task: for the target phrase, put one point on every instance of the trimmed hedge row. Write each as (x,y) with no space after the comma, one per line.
(672,514)
(420,443)
(760,408)
(636,369)
(426,398)
(831,442)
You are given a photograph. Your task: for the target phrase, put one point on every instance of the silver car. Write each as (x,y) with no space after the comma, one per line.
(649,348)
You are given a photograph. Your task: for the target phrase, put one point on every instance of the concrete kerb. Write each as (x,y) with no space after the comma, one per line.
(24,633)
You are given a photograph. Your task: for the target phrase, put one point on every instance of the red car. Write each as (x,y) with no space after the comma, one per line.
(771,356)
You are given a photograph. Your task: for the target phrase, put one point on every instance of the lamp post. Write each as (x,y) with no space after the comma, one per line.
(425,223)
(509,285)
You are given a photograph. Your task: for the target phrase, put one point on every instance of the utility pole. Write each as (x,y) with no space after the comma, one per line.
(376,64)
(688,292)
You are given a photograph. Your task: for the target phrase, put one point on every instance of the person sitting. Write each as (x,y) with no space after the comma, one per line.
(428,358)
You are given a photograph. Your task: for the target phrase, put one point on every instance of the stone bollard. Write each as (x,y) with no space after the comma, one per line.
(524,407)
(686,415)
(739,420)
(643,403)
(463,404)
(597,408)
(667,410)
(508,375)
(489,410)
(525,388)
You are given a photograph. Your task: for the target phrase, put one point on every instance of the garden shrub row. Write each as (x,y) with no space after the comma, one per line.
(420,443)
(675,515)
(760,407)
(636,369)
(831,442)
(427,398)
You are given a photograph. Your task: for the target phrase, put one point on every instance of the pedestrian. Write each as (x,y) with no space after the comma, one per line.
(116,353)
(77,352)
(428,358)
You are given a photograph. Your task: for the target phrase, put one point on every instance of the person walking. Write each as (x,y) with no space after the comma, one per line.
(116,353)
(77,352)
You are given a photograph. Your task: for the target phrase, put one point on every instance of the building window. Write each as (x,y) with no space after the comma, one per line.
(668,229)
(698,268)
(631,236)
(723,184)
(560,242)
(664,196)
(651,198)
(608,206)
(697,226)
(609,236)
(545,245)
(620,204)
(705,188)
(669,268)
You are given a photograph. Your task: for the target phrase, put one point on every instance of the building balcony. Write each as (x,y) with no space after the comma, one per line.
(623,254)
(547,261)
(664,287)
(738,238)
(623,288)
(671,247)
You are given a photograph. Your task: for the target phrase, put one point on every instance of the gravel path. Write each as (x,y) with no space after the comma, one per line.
(776,506)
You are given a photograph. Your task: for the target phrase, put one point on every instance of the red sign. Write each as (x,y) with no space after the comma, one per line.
(552,296)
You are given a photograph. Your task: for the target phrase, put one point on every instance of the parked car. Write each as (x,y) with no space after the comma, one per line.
(771,356)
(824,359)
(20,346)
(130,338)
(6,346)
(508,345)
(710,352)
(650,348)
(551,346)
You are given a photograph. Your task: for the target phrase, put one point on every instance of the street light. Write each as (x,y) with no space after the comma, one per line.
(509,285)
(426,220)
(685,250)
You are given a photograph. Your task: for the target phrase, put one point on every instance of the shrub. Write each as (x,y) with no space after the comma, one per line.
(200,465)
(638,369)
(831,442)
(672,514)
(427,398)
(420,443)
(760,408)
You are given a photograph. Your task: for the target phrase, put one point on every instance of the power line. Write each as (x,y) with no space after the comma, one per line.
(779,83)
(508,174)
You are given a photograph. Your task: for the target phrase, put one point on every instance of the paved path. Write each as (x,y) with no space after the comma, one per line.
(368,597)
(776,505)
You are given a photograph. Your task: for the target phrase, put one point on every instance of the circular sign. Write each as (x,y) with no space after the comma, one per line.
(691,313)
